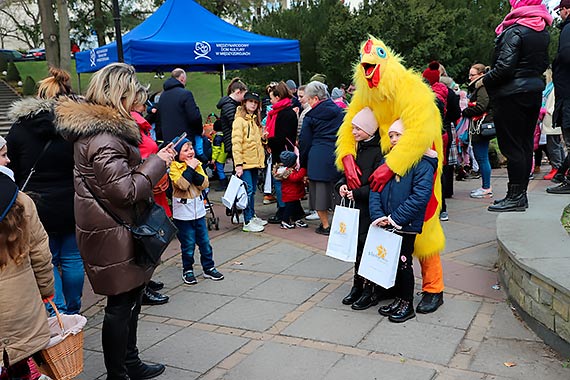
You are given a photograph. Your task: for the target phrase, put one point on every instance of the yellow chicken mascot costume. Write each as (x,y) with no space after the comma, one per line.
(393,92)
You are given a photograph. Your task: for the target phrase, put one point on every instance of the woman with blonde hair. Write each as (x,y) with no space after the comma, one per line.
(109,178)
(26,277)
(42,162)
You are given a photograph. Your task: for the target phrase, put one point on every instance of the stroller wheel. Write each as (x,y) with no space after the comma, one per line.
(209,225)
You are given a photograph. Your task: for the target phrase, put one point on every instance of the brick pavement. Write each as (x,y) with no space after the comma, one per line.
(278,315)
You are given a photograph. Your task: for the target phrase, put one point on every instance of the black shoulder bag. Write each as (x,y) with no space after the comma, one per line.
(33,169)
(152,231)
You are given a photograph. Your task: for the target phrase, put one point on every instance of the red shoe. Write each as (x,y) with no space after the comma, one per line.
(551,175)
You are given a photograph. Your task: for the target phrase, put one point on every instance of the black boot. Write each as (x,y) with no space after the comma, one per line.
(145,371)
(355,292)
(516,200)
(368,298)
(388,310)
(151,297)
(430,302)
(223,183)
(405,311)
(155,285)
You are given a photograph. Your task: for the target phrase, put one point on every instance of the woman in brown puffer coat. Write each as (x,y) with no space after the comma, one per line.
(108,165)
(26,276)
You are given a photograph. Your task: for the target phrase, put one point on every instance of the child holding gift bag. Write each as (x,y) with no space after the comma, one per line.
(401,204)
(368,157)
(292,189)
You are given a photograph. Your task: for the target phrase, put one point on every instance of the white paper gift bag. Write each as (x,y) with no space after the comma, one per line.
(235,192)
(267,183)
(380,257)
(343,238)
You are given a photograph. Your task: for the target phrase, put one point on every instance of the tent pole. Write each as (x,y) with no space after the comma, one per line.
(299,72)
(221,84)
(79,82)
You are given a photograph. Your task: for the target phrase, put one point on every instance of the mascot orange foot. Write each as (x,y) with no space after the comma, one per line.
(394,92)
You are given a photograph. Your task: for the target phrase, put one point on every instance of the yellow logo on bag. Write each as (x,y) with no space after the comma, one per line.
(381,251)
(342,227)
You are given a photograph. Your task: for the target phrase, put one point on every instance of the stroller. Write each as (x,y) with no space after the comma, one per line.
(212,220)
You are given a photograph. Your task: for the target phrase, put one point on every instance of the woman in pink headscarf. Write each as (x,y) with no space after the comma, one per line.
(515,85)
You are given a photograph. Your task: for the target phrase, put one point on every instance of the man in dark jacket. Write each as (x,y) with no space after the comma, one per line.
(515,86)
(177,109)
(561,80)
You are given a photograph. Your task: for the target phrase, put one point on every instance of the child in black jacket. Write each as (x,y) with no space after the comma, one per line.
(368,157)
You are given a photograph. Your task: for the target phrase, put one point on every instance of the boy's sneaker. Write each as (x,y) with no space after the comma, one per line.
(259,221)
(301,224)
(287,226)
(269,199)
(312,215)
(252,227)
(189,278)
(213,274)
(444,216)
(481,193)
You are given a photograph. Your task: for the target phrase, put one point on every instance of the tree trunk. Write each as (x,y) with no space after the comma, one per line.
(98,23)
(64,41)
(49,31)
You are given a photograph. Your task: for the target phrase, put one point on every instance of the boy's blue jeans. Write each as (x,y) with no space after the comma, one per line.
(249,176)
(190,233)
(68,273)
(220,170)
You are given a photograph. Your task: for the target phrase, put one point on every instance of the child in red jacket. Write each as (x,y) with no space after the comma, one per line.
(292,188)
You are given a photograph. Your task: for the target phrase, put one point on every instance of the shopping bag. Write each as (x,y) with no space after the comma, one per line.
(380,256)
(267,183)
(235,193)
(343,238)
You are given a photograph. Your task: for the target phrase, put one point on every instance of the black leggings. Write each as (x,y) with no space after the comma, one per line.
(404,287)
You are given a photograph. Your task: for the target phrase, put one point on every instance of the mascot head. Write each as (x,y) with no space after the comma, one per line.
(375,58)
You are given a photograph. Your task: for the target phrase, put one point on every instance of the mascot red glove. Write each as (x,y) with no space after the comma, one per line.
(352,172)
(380,177)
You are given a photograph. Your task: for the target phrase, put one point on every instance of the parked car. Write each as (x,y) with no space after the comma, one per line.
(12,55)
(36,54)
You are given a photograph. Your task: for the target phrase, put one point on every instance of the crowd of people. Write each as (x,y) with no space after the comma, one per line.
(75,170)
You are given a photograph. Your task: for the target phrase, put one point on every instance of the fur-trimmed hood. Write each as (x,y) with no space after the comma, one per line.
(79,119)
(29,107)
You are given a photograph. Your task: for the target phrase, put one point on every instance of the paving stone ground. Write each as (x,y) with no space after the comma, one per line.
(277,314)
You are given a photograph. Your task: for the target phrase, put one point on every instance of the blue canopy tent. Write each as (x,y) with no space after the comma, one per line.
(181,33)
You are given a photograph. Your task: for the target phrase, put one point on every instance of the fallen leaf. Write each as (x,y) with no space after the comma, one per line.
(509,364)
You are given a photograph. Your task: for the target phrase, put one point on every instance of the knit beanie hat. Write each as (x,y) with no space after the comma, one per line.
(178,144)
(432,72)
(288,158)
(291,84)
(523,3)
(8,194)
(397,126)
(366,121)
(2,142)
(319,78)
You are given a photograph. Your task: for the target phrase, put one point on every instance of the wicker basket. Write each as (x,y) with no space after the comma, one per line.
(64,360)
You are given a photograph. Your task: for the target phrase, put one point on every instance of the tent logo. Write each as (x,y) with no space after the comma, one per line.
(92,59)
(202,49)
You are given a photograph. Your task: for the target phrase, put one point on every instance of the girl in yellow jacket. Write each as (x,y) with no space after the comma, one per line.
(248,154)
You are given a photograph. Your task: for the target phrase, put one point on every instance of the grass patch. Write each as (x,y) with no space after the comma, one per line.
(204,86)
(566,219)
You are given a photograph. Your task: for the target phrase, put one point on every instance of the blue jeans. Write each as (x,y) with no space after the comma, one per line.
(278,193)
(220,170)
(481,152)
(250,178)
(68,273)
(190,233)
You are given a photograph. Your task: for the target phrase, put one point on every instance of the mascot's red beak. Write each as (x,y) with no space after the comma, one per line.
(372,74)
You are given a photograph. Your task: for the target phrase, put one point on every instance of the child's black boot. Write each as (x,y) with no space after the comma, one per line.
(368,298)
(405,311)
(355,292)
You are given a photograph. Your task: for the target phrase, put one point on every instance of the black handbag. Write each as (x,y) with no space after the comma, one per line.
(152,232)
(487,130)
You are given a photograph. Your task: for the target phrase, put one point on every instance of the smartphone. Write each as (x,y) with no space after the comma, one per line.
(180,138)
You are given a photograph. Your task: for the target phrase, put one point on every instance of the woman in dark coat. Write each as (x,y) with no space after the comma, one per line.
(317,150)
(108,166)
(281,129)
(51,184)
(515,86)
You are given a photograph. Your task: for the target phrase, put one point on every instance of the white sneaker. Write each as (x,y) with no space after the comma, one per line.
(312,216)
(259,221)
(252,227)
(481,193)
